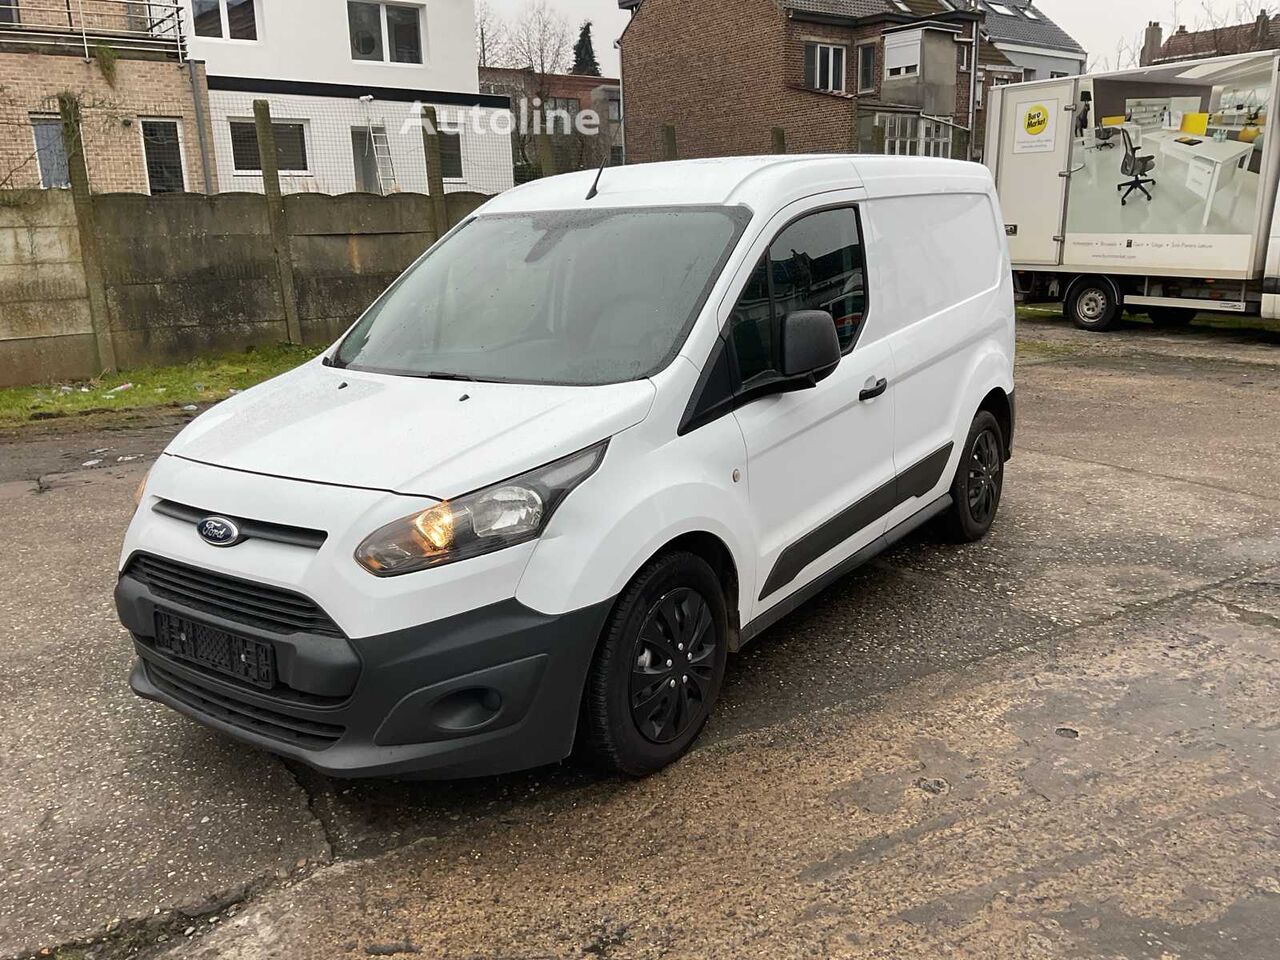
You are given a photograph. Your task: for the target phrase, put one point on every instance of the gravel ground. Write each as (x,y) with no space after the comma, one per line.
(1058,743)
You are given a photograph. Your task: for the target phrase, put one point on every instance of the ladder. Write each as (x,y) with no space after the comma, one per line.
(382,160)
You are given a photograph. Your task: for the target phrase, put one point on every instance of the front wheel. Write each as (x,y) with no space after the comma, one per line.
(979,481)
(659,667)
(1092,305)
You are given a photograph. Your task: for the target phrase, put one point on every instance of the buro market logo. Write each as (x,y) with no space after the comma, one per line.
(1036,120)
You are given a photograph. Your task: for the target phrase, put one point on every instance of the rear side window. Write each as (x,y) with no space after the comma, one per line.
(816,263)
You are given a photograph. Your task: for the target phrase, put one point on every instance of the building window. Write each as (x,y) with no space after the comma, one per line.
(867,68)
(824,67)
(1058,75)
(162,150)
(935,139)
(9,11)
(962,47)
(615,110)
(1001,9)
(225,19)
(901,133)
(385,32)
(617,156)
(291,147)
(450,155)
(902,54)
(51,152)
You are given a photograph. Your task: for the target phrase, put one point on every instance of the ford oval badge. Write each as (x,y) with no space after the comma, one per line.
(218,531)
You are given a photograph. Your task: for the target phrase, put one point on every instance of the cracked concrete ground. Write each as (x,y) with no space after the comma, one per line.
(1058,743)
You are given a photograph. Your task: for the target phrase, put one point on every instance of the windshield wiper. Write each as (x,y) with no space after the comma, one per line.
(334,362)
(460,377)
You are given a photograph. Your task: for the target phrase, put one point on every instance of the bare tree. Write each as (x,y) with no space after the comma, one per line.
(492,36)
(540,40)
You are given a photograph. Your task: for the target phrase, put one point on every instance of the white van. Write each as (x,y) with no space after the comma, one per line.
(586,447)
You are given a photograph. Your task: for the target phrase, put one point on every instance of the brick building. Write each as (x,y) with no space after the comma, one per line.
(1262,33)
(144,105)
(568,92)
(725,77)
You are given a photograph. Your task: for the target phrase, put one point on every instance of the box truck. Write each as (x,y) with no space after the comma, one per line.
(1152,190)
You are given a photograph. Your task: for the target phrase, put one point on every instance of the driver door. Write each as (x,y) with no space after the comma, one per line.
(819,461)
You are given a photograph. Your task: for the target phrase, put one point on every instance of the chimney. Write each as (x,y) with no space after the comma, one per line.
(1152,43)
(1263,30)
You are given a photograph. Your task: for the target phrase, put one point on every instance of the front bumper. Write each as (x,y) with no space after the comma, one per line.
(489,691)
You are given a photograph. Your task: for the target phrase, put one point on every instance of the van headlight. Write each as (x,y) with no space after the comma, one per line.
(503,515)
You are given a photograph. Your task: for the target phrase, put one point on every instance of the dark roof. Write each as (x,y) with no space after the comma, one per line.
(1260,34)
(840,8)
(1019,28)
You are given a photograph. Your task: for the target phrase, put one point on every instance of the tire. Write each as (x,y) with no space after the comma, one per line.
(1170,317)
(1091,305)
(644,706)
(979,482)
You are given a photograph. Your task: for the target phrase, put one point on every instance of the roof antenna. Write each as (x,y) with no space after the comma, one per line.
(604,162)
(595,187)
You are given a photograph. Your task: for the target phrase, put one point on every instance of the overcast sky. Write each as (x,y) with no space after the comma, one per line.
(1097,24)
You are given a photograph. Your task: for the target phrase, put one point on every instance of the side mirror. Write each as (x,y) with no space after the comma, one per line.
(810,345)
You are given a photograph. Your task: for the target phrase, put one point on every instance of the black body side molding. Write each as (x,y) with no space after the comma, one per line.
(914,482)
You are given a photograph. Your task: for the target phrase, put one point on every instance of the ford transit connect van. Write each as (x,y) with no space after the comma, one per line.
(588,446)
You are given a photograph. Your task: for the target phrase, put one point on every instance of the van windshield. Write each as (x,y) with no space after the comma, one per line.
(564,297)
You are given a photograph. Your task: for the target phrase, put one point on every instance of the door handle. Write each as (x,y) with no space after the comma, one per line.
(870,393)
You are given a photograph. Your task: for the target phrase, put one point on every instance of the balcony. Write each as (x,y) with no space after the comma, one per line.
(130,27)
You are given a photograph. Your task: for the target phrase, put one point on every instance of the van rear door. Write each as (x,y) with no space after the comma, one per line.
(1031,163)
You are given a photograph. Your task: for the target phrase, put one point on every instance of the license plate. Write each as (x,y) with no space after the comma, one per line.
(239,657)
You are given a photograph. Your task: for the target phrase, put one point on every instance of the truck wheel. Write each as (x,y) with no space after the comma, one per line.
(979,482)
(1170,316)
(1091,305)
(658,671)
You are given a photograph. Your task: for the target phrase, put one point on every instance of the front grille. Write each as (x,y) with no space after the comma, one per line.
(243,601)
(308,734)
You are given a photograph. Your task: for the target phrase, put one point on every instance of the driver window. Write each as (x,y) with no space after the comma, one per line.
(814,264)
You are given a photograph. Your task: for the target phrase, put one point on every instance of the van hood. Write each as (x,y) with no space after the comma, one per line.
(432,438)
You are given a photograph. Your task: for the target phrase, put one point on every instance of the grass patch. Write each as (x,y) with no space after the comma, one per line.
(205,380)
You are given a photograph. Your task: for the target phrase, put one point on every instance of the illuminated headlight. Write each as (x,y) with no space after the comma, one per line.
(503,515)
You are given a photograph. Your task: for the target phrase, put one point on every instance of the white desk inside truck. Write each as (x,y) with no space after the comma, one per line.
(1211,166)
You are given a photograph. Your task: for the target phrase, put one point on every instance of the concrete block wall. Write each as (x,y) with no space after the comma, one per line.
(186,274)
(46,332)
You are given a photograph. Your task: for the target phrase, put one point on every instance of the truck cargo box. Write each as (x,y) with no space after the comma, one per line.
(1169,170)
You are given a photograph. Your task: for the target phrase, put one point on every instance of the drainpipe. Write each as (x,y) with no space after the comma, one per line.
(199,117)
(973,86)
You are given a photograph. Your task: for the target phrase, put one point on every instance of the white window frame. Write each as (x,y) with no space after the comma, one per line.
(1000,8)
(860,50)
(828,50)
(275,122)
(894,42)
(935,139)
(386,34)
(226,25)
(182,148)
(962,64)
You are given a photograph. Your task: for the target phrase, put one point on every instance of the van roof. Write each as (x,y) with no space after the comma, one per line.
(757,182)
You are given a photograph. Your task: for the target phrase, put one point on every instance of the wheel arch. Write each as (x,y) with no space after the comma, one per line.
(998,403)
(1104,279)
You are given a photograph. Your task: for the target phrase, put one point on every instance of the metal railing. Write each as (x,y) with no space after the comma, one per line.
(126,25)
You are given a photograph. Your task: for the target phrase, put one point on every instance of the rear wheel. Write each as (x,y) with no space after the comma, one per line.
(1170,316)
(1092,305)
(658,671)
(979,481)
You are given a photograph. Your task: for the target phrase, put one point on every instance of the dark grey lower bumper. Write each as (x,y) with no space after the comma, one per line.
(490,691)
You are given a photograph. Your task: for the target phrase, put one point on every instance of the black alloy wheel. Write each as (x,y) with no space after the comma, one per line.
(986,475)
(674,665)
(657,671)
(978,483)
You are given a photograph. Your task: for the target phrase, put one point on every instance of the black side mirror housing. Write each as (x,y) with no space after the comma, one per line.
(810,345)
